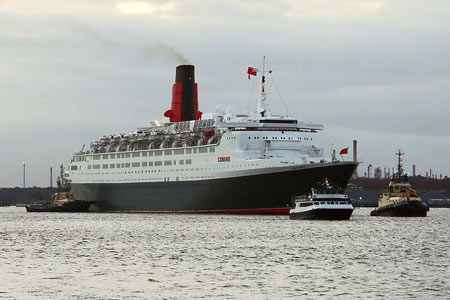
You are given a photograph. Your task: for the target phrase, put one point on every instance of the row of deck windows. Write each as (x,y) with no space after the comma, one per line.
(139,164)
(147,153)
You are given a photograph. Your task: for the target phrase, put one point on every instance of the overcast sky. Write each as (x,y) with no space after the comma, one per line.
(373,70)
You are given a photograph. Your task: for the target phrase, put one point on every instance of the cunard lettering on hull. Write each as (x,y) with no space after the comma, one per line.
(225,161)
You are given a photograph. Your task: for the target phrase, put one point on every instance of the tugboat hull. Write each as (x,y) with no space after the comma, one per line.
(322,214)
(402,209)
(79,206)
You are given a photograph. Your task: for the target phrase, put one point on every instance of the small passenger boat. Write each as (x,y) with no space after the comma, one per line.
(326,203)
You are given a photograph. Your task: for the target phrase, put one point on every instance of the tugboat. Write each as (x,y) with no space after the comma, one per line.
(325,203)
(62,201)
(401,200)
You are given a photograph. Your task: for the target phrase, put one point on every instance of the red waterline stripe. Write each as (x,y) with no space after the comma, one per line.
(260,211)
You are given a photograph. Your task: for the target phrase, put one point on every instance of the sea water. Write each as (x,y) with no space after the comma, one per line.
(188,256)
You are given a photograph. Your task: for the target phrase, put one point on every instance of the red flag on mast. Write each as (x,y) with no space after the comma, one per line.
(252,71)
(344,151)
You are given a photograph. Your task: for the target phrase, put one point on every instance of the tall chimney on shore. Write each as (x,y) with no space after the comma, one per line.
(414,170)
(51,177)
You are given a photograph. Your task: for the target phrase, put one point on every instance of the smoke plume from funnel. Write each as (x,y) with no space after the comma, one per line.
(164,50)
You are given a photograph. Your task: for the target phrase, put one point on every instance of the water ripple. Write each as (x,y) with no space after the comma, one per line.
(128,256)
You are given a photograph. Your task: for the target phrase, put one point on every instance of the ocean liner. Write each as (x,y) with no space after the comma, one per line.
(220,162)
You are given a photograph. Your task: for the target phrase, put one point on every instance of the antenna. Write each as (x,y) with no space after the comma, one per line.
(262,95)
(400,162)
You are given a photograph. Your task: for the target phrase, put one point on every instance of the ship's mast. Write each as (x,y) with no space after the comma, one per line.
(263,108)
(400,162)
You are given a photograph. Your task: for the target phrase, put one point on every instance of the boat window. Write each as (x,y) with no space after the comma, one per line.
(167,152)
(212,149)
(181,162)
(144,163)
(167,162)
(127,155)
(136,164)
(202,150)
(112,166)
(158,152)
(188,161)
(127,165)
(188,151)
(96,167)
(194,150)
(117,165)
(73,168)
(136,154)
(150,164)
(105,156)
(158,163)
(144,154)
(89,167)
(403,190)
(150,153)
(316,203)
(105,166)
(96,157)
(178,151)
(112,156)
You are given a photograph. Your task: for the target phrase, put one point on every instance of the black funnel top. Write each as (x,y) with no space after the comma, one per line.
(185,75)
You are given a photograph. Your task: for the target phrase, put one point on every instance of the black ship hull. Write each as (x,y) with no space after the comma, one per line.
(78,206)
(402,209)
(269,193)
(322,214)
